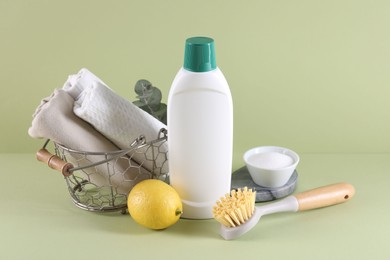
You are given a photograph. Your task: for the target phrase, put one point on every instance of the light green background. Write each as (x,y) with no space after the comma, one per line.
(309,75)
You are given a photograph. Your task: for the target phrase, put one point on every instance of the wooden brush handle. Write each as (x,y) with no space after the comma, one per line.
(54,162)
(325,196)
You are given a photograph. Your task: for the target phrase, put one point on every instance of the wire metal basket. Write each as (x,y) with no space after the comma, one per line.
(101,181)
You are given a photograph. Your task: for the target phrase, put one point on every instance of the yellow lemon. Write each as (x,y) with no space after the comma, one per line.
(154,204)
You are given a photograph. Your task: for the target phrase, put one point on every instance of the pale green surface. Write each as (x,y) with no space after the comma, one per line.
(38,220)
(308,75)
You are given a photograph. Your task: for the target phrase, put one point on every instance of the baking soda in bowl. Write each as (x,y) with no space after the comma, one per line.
(270,160)
(271,166)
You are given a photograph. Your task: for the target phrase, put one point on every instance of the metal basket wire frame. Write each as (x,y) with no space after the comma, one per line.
(100,181)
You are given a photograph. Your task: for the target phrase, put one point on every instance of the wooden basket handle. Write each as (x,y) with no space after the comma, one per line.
(54,162)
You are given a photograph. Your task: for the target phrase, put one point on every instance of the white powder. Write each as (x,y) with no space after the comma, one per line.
(270,160)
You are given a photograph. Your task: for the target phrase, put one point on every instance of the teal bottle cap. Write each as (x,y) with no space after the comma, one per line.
(199,54)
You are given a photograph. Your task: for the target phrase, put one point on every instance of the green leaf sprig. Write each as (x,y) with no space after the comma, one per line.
(149,100)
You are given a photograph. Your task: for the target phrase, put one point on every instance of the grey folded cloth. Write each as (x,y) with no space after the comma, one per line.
(54,119)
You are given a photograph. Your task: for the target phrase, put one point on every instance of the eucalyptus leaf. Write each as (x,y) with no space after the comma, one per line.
(149,100)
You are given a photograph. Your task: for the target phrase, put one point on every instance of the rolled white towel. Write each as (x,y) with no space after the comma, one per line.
(76,83)
(121,122)
(54,119)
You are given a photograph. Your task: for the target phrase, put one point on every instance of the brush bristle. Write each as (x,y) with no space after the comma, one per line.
(235,208)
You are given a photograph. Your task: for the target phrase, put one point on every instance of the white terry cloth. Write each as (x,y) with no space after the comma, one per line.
(54,119)
(121,122)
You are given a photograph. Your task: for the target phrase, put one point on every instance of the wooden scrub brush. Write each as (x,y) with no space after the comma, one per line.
(238,214)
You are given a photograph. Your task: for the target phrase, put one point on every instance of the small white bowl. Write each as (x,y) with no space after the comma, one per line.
(271,166)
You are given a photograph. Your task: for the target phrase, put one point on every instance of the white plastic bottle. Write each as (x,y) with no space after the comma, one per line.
(200,130)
